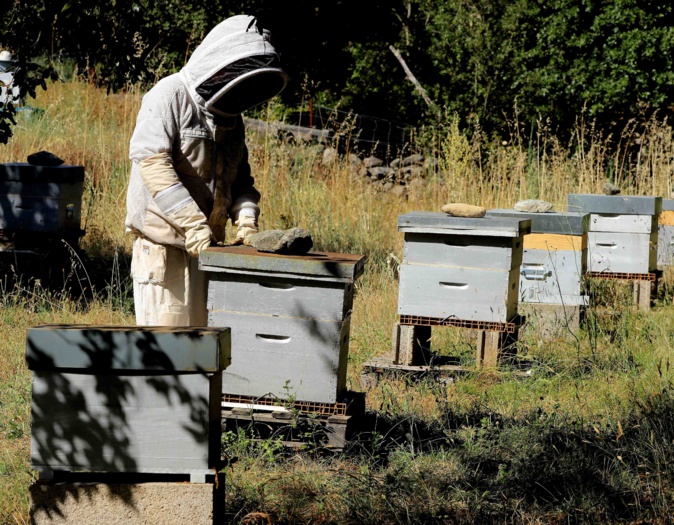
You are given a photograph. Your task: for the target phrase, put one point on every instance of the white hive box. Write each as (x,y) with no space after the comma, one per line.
(461,268)
(623,235)
(555,257)
(290,320)
(666,234)
(126,399)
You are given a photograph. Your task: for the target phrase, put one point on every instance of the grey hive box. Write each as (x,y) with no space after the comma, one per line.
(460,267)
(555,257)
(666,234)
(40,199)
(289,316)
(126,399)
(623,235)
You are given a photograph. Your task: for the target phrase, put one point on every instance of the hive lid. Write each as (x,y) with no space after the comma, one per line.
(667,204)
(24,172)
(614,204)
(565,223)
(245,259)
(432,222)
(109,348)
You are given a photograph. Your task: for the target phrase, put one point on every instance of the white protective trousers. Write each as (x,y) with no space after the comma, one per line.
(168,288)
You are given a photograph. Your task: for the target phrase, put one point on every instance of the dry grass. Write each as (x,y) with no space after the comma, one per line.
(597,380)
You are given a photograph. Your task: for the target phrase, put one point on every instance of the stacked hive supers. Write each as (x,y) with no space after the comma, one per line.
(290,320)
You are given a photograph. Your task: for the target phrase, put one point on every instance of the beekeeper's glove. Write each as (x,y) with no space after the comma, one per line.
(246,221)
(179,207)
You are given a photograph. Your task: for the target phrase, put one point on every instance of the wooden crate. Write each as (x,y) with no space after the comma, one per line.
(290,320)
(126,399)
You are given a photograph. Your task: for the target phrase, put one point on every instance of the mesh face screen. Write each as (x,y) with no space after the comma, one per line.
(250,92)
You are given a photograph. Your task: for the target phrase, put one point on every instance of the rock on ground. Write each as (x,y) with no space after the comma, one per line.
(329,156)
(372,162)
(379,172)
(533,206)
(457,209)
(610,189)
(413,160)
(294,241)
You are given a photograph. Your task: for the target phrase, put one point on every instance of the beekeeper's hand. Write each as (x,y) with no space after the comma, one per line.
(246,222)
(197,239)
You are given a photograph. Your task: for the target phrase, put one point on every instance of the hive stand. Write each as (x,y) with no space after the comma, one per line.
(552,276)
(623,240)
(298,424)
(460,272)
(125,411)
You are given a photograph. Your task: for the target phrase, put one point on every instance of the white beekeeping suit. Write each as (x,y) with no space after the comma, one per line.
(190,168)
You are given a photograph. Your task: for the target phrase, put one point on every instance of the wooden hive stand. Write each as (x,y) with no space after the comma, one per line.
(459,272)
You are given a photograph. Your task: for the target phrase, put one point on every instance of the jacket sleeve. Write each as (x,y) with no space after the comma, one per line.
(157,127)
(243,187)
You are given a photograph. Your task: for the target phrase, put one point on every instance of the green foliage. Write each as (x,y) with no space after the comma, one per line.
(482,60)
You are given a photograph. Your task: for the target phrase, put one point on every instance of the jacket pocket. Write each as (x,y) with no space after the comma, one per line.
(148,262)
(194,154)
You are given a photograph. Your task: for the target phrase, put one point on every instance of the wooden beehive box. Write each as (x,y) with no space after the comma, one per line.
(666,234)
(126,399)
(289,316)
(459,267)
(623,235)
(40,199)
(555,257)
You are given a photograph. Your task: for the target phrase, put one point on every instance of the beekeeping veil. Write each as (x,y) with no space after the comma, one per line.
(235,68)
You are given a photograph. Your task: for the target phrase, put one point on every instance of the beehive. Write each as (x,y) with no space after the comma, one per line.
(460,267)
(666,234)
(623,235)
(40,199)
(289,316)
(555,257)
(126,399)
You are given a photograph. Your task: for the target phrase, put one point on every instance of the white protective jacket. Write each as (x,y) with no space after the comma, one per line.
(181,157)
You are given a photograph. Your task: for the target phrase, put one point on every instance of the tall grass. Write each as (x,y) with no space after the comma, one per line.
(592,388)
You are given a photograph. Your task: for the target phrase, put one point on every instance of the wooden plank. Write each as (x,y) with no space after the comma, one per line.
(621,204)
(622,252)
(431,222)
(463,293)
(108,348)
(552,242)
(283,297)
(130,423)
(498,253)
(245,258)
(607,222)
(408,343)
(563,223)
(283,357)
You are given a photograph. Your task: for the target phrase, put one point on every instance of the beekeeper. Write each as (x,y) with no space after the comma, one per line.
(190,168)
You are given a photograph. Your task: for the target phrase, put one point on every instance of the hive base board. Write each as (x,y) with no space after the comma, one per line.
(293,430)
(125,501)
(377,368)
